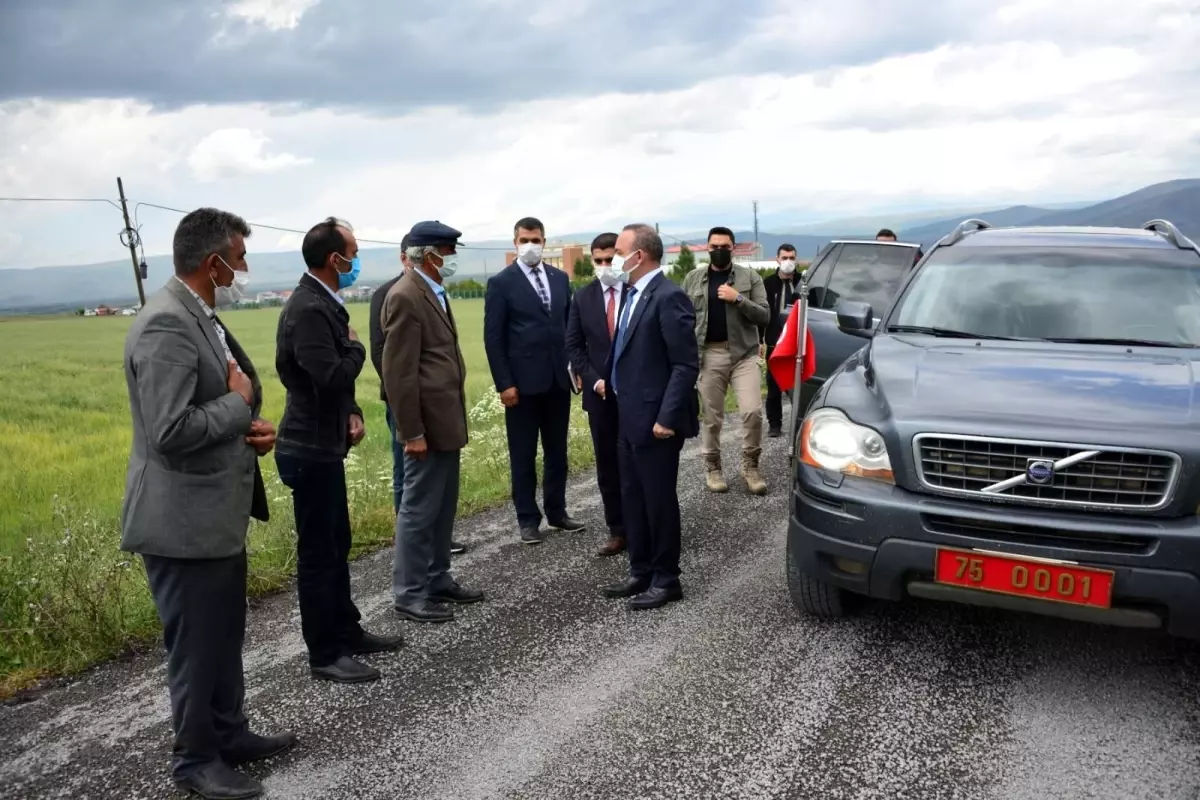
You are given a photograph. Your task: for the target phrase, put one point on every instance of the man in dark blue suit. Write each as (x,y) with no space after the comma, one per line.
(524,333)
(652,371)
(590,330)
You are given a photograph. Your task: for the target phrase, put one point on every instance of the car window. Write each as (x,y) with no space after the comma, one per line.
(866,273)
(1058,293)
(818,271)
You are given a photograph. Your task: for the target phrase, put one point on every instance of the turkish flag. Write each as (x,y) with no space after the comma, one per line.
(782,362)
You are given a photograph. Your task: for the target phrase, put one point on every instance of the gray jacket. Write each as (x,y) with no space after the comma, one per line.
(193,482)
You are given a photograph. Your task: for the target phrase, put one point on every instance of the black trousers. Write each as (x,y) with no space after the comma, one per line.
(202,605)
(604,427)
(774,398)
(547,415)
(649,478)
(328,616)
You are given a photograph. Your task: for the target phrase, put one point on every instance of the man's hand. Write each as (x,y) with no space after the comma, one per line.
(662,433)
(578,383)
(509,397)
(240,382)
(727,293)
(261,436)
(599,388)
(417,448)
(357,430)
(353,335)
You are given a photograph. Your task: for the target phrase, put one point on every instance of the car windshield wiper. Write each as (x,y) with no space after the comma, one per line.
(1129,342)
(947,333)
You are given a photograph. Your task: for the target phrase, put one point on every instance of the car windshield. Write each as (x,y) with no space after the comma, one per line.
(1113,294)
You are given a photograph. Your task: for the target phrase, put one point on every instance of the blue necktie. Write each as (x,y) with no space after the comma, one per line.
(622,324)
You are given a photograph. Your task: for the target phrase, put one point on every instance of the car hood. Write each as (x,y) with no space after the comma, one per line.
(1030,383)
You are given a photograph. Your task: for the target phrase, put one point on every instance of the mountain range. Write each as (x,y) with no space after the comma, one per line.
(50,289)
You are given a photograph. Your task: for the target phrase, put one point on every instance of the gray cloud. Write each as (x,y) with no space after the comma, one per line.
(390,57)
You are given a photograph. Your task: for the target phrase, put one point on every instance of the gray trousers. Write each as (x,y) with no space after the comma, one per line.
(424,526)
(202,605)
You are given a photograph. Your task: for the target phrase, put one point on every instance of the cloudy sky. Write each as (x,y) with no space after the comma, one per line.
(585,113)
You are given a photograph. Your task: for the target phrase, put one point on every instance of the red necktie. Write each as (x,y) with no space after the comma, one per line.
(612,311)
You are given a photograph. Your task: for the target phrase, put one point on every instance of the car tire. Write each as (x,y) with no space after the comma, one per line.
(814,596)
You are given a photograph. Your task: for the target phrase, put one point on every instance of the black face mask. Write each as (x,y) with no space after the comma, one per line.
(720,258)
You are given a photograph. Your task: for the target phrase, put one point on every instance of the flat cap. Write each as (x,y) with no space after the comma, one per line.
(431,233)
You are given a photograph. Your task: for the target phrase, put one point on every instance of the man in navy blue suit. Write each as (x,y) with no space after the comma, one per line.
(524,333)
(590,331)
(652,371)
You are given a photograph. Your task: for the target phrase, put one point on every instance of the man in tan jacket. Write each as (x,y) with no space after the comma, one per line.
(424,378)
(731,304)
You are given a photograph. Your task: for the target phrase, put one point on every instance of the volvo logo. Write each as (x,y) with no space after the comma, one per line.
(1039,471)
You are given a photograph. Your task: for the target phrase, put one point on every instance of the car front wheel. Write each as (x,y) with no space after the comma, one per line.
(814,596)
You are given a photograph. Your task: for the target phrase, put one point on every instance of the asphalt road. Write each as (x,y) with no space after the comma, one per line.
(548,690)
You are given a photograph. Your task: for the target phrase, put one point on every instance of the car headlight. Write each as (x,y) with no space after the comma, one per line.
(829,440)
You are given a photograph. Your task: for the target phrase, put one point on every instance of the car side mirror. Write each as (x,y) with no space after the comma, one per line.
(856,319)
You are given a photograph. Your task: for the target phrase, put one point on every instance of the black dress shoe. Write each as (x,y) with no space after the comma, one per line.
(371,643)
(460,595)
(775,431)
(655,597)
(346,670)
(531,535)
(457,548)
(567,523)
(425,611)
(219,781)
(252,747)
(626,588)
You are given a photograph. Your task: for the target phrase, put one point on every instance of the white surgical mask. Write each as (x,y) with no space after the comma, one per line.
(230,295)
(610,276)
(449,266)
(618,265)
(787,266)
(530,254)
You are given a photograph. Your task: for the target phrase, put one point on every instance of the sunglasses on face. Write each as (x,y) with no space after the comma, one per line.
(602,262)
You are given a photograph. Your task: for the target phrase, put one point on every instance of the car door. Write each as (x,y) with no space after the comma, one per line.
(864,272)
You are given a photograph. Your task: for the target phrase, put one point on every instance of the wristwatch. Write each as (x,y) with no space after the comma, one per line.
(739,299)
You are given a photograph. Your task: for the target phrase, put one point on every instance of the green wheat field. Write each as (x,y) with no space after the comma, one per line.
(68,595)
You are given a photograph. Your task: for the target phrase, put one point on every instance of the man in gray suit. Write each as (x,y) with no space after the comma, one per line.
(192,486)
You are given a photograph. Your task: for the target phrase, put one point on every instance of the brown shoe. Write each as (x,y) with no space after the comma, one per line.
(754,479)
(714,481)
(614,545)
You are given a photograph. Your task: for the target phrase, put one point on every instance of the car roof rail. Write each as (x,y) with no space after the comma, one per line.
(963,228)
(1170,233)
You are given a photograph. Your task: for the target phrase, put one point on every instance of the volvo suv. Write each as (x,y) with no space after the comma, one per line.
(1020,430)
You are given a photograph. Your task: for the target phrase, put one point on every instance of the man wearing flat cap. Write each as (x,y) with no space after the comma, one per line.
(424,378)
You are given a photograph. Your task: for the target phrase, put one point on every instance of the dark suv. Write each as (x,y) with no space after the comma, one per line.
(864,271)
(1019,431)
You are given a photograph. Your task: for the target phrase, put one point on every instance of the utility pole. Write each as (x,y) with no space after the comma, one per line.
(656,227)
(130,237)
(756,222)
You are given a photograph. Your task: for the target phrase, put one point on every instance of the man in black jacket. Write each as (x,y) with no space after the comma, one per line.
(318,357)
(781,293)
(377,340)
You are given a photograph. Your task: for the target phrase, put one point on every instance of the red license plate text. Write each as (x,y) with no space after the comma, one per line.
(1041,580)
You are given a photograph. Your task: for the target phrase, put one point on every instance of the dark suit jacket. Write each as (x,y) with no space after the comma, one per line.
(588,345)
(774,285)
(193,482)
(658,365)
(376,328)
(526,345)
(424,374)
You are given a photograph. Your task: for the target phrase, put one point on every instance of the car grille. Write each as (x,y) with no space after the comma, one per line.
(1108,478)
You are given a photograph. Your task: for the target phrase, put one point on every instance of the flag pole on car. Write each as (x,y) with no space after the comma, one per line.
(801,351)
(794,359)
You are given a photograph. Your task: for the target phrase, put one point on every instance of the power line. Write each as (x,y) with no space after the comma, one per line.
(60,200)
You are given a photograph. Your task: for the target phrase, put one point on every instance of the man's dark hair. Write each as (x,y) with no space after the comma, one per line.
(200,234)
(721,231)
(529,224)
(404,243)
(322,240)
(646,239)
(785,248)
(888,232)
(605,241)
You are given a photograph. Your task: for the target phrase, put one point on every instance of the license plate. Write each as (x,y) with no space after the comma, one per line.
(1023,577)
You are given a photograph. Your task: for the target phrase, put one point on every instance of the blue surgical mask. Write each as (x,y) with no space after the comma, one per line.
(347,279)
